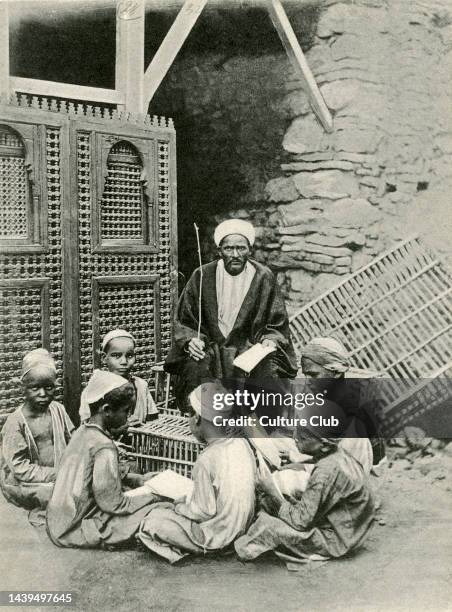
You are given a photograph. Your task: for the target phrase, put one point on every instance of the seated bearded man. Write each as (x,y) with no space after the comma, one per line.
(240,305)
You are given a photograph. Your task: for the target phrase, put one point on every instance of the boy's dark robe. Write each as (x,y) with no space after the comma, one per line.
(262,315)
(330,518)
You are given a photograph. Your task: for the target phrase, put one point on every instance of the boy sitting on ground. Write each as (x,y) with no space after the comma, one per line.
(221,505)
(330,518)
(88,507)
(118,357)
(34,436)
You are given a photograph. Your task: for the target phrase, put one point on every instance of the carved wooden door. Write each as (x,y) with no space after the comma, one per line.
(87,238)
(126,208)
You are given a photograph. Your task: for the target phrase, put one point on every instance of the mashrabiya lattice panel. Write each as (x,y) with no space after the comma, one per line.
(130,306)
(84,211)
(53,258)
(393,316)
(20,332)
(14,218)
(122,206)
(22,318)
(103,264)
(163,256)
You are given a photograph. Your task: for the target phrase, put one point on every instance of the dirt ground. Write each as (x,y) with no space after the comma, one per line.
(405,565)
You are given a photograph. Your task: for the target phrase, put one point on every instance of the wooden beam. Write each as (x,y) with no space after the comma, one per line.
(4,49)
(52,89)
(171,45)
(298,60)
(129,67)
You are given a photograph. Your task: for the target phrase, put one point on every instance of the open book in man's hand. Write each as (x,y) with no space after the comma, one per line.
(248,360)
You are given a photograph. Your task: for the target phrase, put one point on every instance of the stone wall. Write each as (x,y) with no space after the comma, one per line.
(385,172)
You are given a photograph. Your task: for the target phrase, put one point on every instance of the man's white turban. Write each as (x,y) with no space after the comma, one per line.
(234,226)
(101,383)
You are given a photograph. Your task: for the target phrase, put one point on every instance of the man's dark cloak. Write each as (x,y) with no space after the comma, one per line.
(262,315)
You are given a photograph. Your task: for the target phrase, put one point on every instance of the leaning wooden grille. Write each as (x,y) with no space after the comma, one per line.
(31,290)
(394,315)
(428,393)
(14,217)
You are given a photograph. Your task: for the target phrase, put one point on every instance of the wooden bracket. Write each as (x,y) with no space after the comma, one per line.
(171,45)
(298,60)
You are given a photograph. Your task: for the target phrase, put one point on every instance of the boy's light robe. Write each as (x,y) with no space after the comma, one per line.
(88,508)
(23,479)
(219,509)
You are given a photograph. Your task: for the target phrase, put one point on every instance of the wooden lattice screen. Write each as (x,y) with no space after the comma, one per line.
(88,237)
(14,191)
(394,316)
(31,287)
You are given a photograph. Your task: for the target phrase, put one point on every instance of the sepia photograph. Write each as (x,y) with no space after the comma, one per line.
(226,305)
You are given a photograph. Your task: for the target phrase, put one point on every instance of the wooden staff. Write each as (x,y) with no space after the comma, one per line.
(200,280)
